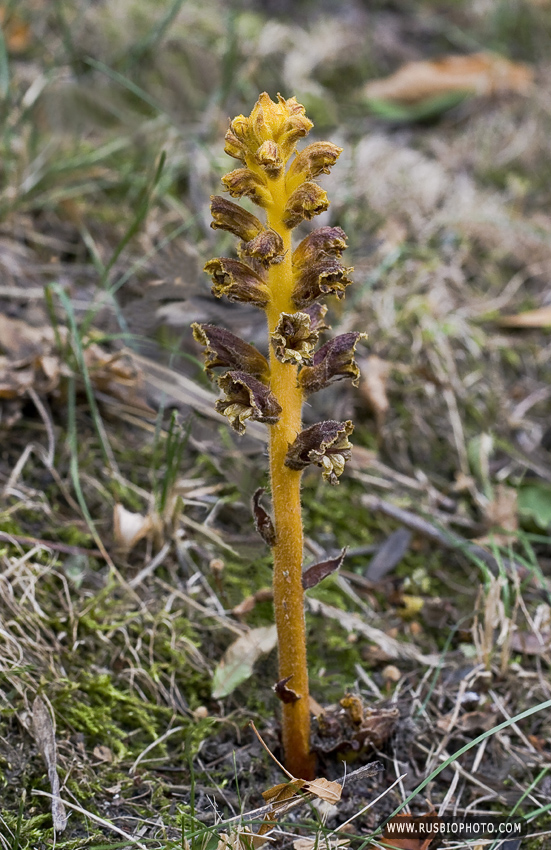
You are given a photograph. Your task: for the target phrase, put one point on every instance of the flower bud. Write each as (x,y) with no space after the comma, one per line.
(235,147)
(237,281)
(245,183)
(324,240)
(326,277)
(246,398)
(333,362)
(324,444)
(305,202)
(296,127)
(314,160)
(293,339)
(223,348)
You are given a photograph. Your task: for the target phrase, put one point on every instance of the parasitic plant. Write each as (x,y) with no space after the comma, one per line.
(287,284)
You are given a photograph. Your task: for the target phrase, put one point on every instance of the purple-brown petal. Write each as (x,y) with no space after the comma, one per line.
(225,349)
(305,202)
(317,313)
(293,339)
(262,520)
(231,217)
(333,362)
(267,248)
(285,694)
(237,281)
(318,243)
(246,398)
(326,277)
(324,444)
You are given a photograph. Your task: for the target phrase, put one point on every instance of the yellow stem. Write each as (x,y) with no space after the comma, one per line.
(288,550)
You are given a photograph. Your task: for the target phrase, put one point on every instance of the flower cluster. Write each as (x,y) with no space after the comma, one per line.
(287,288)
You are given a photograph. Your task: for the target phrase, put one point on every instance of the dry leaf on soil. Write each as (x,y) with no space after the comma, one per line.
(238,660)
(477,73)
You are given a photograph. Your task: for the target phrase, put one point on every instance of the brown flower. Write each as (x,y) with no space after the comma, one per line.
(267,248)
(231,217)
(326,277)
(245,183)
(313,160)
(223,348)
(237,281)
(246,398)
(333,362)
(325,444)
(305,202)
(293,339)
(317,313)
(324,240)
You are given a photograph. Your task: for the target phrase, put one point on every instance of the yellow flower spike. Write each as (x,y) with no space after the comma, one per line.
(287,286)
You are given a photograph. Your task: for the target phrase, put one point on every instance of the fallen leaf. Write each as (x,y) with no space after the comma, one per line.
(283,791)
(389,554)
(477,73)
(540,318)
(44,733)
(130,527)
(329,792)
(317,572)
(529,643)
(238,661)
(374,374)
(265,594)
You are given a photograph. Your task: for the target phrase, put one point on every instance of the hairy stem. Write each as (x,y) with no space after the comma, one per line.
(288,549)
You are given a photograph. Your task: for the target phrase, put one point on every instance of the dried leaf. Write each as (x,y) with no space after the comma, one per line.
(328,791)
(530,643)
(44,732)
(129,527)
(540,318)
(283,791)
(478,73)
(317,572)
(389,554)
(502,511)
(262,520)
(285,694)
(238,661)
(374,374)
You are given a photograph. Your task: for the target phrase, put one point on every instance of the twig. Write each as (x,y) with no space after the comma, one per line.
(50,544)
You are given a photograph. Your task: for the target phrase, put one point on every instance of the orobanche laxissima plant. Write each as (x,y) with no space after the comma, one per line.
(287,285)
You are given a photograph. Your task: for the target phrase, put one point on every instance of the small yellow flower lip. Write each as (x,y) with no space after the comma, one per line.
(324,444)
(237,281)
(246,398)
(226,350)
(293,339)
(333,362)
